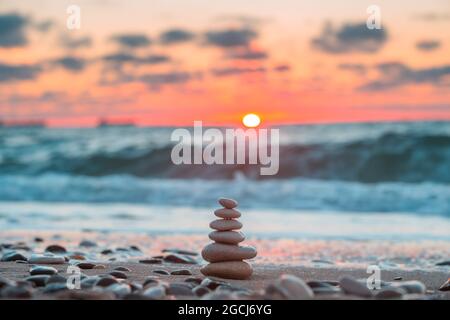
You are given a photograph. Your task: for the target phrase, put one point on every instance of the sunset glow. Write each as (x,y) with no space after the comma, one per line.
(158,65)
(251,120)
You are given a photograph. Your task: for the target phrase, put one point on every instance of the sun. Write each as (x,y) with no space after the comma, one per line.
(251,120)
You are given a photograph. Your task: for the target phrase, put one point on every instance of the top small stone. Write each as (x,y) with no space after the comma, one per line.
(228,203)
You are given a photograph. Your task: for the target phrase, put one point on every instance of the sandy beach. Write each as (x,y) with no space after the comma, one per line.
(146,262)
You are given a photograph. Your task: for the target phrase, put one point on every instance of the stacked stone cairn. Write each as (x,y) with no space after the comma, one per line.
(224,255)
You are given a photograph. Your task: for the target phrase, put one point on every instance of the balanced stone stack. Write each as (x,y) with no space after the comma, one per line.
(224,254)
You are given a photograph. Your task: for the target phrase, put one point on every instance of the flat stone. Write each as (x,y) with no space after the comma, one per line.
(443,263)
(106,281)
(156,292)
(180,258)
(225,225)
(217,252)
(42,270)
(163,272)
(150,261)
(227,213)
(135,248)
(21,261)
(38,239)
(195,280)
(445,286)
(411,287)
(118,274)
(55,248)
(200,291)
(238,270)
(46,258)
(89,282)
(179,289)
(86,265)
(319,284)
(106,251)
(123,269)
(228,203)
(326,291)
(182,272)
(119,289)
(227,237)
(290,287)
(150,280)
(77,257)
(180,251)
(13,256)
(390,293)
(55,287)
(87,244)
(38,280)
(354,287)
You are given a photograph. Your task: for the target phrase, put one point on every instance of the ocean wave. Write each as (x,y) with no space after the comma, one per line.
(390,157)
(298,193)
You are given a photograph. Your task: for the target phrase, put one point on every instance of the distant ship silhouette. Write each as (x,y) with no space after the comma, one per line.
(22,124)
(114,123)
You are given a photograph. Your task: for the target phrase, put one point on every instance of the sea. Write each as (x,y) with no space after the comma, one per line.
(361,181)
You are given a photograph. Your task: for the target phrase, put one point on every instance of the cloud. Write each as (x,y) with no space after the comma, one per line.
(12,30)
(175,36)
(428,45)
(350,38)
(75,43)
(132,40)
(70,63)
(44,26)
(395,74)
(231,37)
(357,68)
(10,72)
(236,71)
(282,68)
(248,55)
(44,97)
(432,16)
(157,80)
(121,58)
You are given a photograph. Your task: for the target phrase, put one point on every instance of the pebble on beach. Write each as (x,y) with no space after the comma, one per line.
(46,258)
(352,286)
(291,288)
(42,270)
(238,270)
(216,252)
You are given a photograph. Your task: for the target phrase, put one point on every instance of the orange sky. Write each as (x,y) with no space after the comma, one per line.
(274,58)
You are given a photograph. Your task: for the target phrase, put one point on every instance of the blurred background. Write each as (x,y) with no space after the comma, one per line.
(86,115)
